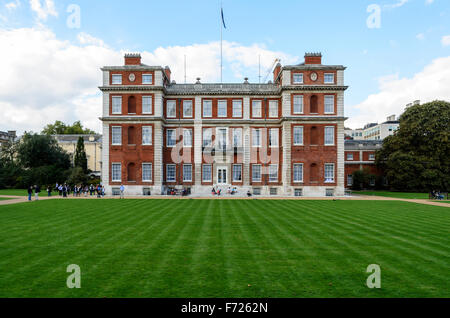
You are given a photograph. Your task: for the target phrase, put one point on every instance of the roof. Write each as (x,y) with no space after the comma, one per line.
(74,138)
(362,144)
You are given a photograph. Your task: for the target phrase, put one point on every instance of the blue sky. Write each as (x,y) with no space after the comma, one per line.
(411,36)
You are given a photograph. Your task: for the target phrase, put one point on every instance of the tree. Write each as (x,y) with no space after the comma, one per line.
(361,179)
(60,128)
(80,156)
(416,158)
(77,176)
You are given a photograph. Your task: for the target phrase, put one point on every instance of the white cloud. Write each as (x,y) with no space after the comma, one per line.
(420,36)
(397,4)
(58,80)
(430,84)
(12,5)
(429,1)
(43,11)
(445,40)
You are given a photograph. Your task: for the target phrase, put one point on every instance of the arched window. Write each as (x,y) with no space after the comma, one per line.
(313,173)
(314,136)
(131,135)
(131,172)
(313,106)
(131,105)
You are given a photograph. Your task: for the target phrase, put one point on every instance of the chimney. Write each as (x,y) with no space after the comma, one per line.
(132,59)
(313,58)
(276,71)
(167,72)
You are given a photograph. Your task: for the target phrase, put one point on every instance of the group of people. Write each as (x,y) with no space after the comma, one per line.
(36,189)
(64,190)
(218,191)
(437,195)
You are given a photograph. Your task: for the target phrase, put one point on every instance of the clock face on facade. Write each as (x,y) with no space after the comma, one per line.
(131,77)
(313,77)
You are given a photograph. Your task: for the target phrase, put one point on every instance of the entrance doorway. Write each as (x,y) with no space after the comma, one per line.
(221,175)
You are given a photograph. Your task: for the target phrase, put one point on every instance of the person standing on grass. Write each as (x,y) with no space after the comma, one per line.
(122,190)
(37,190)
(49,191)
(30,192)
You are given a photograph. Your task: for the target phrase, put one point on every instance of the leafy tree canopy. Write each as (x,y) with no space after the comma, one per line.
(80,156)
(416,158)
(60,128)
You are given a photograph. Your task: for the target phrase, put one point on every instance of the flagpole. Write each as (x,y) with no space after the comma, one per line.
(221,42)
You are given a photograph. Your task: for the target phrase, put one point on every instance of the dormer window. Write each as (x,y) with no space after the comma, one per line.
(297,78)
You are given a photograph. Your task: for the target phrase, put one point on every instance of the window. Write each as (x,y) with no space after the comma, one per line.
(207,108)
(273,108)
(207,137)
(116,172)
(328,78)
(237,108)
(187,108)
(222,108)
(298,78)
(349,156)
(256,140)
(170,173)
(256,173)
(171,139)
(147,78)
(146,191)
(206,173)
(257,191)
(237,137)
(116,79)
(273,191)
(298,104)
(187,138)
(329,136)
(147,172)
(237,173)
(273,137)
(329,104)
(116,135)
(146,135)
(171,108)
(256,108)
(350,180)
(117,105)
(221,138)
(298,192)
(329,172)
(187,173)
(372,181)
(146,104)
(273,173)
(371,156)
(298,135)
(115,191)
(298,172)
(329,192)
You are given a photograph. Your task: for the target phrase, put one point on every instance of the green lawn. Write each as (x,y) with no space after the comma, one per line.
(224,248)
(23,192)
(391,194)
(5,199)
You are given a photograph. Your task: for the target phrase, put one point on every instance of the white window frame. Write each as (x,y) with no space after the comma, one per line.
(172,103)
(150,129)
(113,82)
(325,104)
(298,164)
(325,136)
(220,103)
(112,135)
(210,102)
(151,79)
(185,139)
(186,102)
(150,165)
(112,104)
(239,143)
(325,173)
(209,144)
(349,157)
(186,165)
(273,144)
(149,105)
(371,156)
(298,74)
(293,135)
(301,97)
(210,172)
(257,101)
(258,145)
(167,137)
(350,180)
(325,78)
(271,166)
(273,103)
(174,174)
(253,173)
(112,171)
(237,105)
(240,167)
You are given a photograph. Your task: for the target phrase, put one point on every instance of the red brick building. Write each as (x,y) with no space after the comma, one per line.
(285,137)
